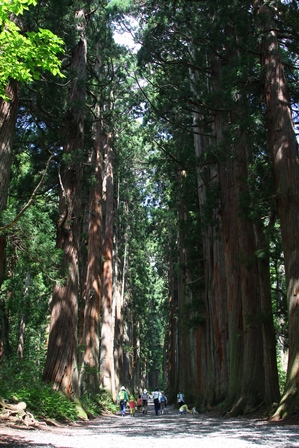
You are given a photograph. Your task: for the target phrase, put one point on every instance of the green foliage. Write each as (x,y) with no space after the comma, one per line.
(98,404)
(24,57)
(119,5)
(44,402)
(146,276)
(13,6)
(21,381)
(33,263)
(282,373)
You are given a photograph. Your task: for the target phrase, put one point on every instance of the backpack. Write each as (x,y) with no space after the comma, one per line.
(122,395)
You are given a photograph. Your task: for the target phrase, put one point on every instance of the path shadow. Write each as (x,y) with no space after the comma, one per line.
(199,427)
(18,442)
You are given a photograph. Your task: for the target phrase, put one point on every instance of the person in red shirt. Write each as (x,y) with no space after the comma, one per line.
(132,405)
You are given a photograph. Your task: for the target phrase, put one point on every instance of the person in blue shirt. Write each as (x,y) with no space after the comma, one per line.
(163,402)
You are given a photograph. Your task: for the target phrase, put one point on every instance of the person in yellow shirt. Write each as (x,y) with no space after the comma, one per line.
(184,409)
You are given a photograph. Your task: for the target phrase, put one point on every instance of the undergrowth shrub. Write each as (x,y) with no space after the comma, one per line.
(97,404)
(20,380)
(44,402)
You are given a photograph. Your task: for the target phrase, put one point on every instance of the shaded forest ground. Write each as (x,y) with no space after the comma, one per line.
(168,430)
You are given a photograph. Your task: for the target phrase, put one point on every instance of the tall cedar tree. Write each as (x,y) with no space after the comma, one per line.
(8,114)
(7,131)
(61,364)
(283,148)
(91,294)
(107,336)
(242,300)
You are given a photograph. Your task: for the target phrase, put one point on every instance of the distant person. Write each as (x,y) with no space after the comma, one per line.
(122,399)
(180,398)
(156,397)
(139,403)
(132,406)
(144,398)
(184,409)
(163,402)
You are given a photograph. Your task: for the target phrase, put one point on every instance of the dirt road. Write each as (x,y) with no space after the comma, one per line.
(170,430)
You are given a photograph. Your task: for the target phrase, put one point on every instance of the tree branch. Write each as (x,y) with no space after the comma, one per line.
(26,206)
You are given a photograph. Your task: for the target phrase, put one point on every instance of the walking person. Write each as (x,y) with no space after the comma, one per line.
(144,398)
(180,398)
(156,397)
(122,399)
(132,406)
(139,403)
(163,401)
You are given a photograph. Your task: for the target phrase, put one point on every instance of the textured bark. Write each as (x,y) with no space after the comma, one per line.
(183,355)
(89,375)
(120,270)
(214,363)
(172,365)
(245,324)
(283,148)
(271,392)
(5,349)
(23,321)
(232,270)
(61,363)
(8,114)
(107,331)
(202,370)
(118,274)
(247,299)
(253,376)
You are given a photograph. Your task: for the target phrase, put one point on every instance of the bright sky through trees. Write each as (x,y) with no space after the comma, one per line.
(125,36)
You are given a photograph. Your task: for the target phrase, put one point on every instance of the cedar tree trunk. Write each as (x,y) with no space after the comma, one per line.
(89,376)
(214,363)
(8,114)
(107,331)
(61,364)
(283,148)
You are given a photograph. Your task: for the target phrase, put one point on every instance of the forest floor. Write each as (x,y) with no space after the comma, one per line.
(170,430)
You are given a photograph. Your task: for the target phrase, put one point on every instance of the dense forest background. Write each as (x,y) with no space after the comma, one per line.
(149,200)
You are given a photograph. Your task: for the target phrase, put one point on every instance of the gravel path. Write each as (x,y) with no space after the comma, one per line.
(170,430)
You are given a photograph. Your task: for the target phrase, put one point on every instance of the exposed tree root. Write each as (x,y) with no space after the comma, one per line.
(16,415)
(288,406)
(246,405)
